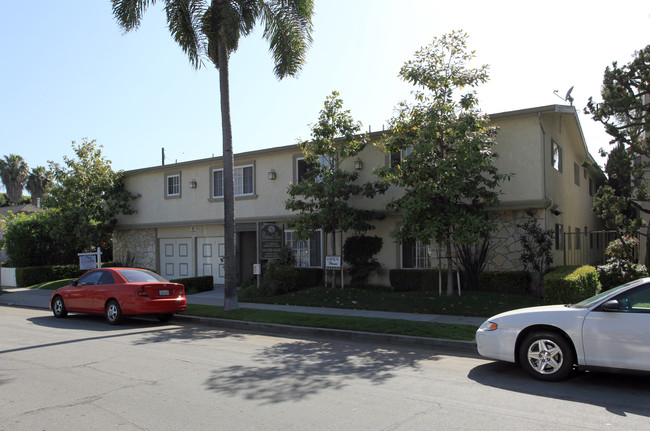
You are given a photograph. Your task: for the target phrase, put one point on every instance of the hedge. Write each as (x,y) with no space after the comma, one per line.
(31,275)
(202,284)
(408,280)
(504,282)
(570,284)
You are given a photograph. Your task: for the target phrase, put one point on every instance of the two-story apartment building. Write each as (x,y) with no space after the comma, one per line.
(178,227)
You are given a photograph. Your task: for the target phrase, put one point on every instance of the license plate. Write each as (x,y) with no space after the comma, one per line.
(163,292)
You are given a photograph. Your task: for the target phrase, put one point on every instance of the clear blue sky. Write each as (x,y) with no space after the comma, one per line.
(69,72)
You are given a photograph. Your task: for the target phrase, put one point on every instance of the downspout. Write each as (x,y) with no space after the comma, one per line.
(542,142)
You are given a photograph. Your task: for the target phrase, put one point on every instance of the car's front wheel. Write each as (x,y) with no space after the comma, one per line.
(58,307)
(113,312)
(546,356)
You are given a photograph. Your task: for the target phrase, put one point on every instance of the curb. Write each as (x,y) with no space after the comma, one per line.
(463,348)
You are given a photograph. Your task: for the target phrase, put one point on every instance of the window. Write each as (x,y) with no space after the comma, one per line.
(307,252)
(243,179)
(90,279)
(397,156)
(635,300)
(559,237)
(173,186)
(556,156)
(591,187)
(416,255)
(302,169)
(106,278)
(576,174)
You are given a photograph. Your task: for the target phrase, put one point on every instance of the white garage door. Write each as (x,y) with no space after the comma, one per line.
(176,258)
(210,253)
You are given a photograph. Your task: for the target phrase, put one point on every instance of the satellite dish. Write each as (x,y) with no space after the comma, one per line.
(568,96)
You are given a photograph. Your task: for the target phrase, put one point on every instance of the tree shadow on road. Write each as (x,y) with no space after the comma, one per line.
(620,394)
(293,371)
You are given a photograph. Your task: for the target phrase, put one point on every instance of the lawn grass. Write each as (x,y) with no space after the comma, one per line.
(52,285)
(365,324)
(470,303)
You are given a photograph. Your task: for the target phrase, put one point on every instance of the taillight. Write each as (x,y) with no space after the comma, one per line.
(142,292)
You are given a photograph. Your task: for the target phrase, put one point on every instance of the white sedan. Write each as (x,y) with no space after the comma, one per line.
(610,331)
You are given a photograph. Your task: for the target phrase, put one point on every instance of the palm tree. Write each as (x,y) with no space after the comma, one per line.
(211,30)
(14,172)
(37,183)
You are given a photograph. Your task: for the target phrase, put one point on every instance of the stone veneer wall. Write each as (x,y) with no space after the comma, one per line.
(135,247)
(505,249)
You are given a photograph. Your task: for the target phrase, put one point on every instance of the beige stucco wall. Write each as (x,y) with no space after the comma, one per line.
(524,149)
(519,150)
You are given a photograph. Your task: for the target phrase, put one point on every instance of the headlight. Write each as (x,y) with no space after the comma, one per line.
(488,326)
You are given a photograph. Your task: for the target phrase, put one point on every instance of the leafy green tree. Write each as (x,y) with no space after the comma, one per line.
(625,113)
(212,29)
(86,197)
(37,183)
(448,175)
(14,172)
(321,197)
(28,240)
(536,251)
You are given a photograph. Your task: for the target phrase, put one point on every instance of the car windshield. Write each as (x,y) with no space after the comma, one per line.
(140,276)
(594,299)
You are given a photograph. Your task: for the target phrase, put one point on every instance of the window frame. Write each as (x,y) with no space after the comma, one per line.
(421,254)
(236,177)
(556,156)
(168,177)
(317,238)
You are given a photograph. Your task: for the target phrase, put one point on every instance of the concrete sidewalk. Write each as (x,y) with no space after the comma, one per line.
(34,298)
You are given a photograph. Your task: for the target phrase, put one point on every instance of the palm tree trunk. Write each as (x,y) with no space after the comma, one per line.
(230,295)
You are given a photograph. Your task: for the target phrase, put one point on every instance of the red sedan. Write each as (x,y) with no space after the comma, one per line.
(117,292)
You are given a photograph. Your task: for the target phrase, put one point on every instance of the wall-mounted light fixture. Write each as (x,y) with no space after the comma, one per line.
(272,175)
(193,184)
(358,164)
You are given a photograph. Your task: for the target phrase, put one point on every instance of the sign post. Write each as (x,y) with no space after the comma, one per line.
(334,263)
(90,260)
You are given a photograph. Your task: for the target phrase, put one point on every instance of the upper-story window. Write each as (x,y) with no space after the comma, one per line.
(576,174)
(173,186)
(243,179)
(556,156)
(396,157)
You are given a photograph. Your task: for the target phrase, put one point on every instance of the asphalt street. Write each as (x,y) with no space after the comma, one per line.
(80,373)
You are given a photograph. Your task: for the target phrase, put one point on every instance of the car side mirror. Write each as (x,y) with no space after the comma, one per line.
(611,305)
(74,282)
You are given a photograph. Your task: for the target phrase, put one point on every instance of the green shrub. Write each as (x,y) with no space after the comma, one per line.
(570,284)
(618,272)
(358,251)
(199,284)
(504,282)
(408,280)
(30,275)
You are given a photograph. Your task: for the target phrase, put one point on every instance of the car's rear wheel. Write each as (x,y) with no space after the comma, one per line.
(113,312)
(546,356)
(58,307)
(165,317)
